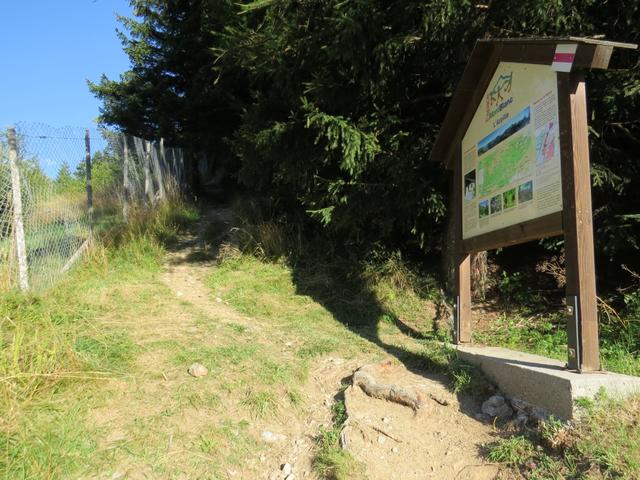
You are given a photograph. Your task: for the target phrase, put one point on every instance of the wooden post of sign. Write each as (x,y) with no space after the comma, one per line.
(462,265)
(18,225)
(578,225)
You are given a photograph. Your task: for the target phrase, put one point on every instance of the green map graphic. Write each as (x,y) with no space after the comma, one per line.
(498,169)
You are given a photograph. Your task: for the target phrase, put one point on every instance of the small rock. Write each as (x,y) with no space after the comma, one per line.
(286,469)
(496,406)
(197,370)
(381,439)
(483,417)
(386,420)
(522,419)
(519,405)
(395,449)
(218,299)
(540,414)
(271,437)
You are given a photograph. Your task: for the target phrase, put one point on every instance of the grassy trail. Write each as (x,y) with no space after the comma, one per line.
(277,355)
(95,383)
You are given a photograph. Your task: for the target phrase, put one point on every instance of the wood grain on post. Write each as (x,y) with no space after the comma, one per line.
(462,263)
(577,215)
(87,161)
(18,221)
(158,169)
(125,179)
(148,182)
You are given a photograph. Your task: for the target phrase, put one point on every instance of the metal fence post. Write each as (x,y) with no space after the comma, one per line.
(87,160)
(18,225)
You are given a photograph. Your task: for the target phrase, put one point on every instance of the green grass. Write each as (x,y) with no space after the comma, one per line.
(605,443)
(49,441)
(331,460)
(112,352)
(513,451)
(53,351)
(260,404)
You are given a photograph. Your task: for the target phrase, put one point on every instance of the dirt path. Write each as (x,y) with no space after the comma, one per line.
(261,407)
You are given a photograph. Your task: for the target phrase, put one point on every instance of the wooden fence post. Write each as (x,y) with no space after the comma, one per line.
(125,180)
(87,161)
(18,225)
(148,182)
(158,169)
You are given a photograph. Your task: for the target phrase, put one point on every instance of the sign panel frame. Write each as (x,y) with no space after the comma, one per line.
(574,218)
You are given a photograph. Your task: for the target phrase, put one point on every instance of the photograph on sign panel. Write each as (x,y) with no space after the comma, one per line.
(470,185)
(509,198)
(483,208)
(496,137)
(525,192)
(496,204)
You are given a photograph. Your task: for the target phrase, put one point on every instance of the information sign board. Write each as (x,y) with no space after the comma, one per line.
(511,151)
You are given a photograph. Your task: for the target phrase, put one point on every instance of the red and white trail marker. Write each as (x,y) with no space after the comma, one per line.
(563,58)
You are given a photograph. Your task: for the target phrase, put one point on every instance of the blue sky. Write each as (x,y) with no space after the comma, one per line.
(49,49)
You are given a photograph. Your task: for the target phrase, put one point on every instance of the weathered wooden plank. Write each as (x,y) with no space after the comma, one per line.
(577,216)
(89,186)
(462,263)
(125,178)
(547,226)
(18,220)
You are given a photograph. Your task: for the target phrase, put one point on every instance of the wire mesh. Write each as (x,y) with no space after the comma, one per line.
(127,173)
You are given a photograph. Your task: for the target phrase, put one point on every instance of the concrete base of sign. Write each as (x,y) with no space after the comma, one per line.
(542,381)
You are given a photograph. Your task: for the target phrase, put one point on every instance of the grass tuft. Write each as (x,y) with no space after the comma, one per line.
(260,404)
(514,451)
(331,460)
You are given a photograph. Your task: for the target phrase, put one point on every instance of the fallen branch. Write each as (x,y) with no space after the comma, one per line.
(379,430)
(393,393)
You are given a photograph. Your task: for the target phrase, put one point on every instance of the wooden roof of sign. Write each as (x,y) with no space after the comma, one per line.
(485,57)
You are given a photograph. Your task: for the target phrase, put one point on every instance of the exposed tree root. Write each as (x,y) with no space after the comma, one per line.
(364,378)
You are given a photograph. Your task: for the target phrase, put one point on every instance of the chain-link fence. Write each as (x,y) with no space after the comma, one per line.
(60,186)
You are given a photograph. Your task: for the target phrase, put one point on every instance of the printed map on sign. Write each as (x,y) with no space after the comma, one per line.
(505,155)
(511,152)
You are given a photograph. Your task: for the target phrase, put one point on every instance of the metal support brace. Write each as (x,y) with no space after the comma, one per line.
(573,333)
(456,321)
